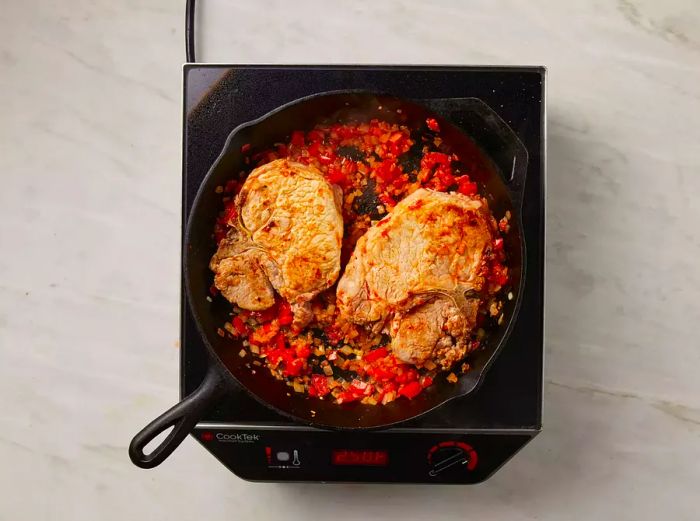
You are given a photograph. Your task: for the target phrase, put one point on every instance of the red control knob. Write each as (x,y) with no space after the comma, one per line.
(451,455)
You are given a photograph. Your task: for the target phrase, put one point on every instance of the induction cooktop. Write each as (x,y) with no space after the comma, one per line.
(464,441)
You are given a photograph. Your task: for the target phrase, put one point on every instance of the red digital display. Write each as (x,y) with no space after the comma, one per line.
(367,458)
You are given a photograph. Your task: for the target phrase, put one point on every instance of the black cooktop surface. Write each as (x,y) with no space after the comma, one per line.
(218,98)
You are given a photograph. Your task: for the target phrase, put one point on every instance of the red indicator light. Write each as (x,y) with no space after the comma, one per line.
(207,436)
(268,454)
(364,458)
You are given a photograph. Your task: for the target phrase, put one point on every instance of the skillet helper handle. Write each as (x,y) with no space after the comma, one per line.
(492,134)
(182,417)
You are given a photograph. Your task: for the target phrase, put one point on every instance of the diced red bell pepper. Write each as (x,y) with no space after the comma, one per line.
(389,386)
(348,396)
(303,351)
(315,135)
(213,291)
(393,148)
(445,177)
(427,381)
(466,186)
(387,200)
(319,384)
(326,158)
(294,368)
(229,215)
(378,353)
(314,149)
(285,316)
(387,170)
(498,244)
(406,375)
(432,124)
(400,181)
(346,131)
(245,148)
(280,341)
(430,159)
(333,334)
(499,275)
(356,391)
(336,176)
(241,328)
(381,374)
(410,390)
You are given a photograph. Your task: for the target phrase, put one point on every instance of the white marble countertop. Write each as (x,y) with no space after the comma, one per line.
(89,242)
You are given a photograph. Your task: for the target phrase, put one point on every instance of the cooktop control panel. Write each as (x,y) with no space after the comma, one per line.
(306,454)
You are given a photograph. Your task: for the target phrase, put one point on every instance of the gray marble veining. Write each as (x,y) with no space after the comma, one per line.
(89,251)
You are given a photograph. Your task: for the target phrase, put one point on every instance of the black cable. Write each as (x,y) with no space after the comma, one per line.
(189,31)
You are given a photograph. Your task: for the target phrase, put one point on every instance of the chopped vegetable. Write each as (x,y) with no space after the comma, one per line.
(240,326)
(410,390)
(285,316)
(432,125)
(375,354)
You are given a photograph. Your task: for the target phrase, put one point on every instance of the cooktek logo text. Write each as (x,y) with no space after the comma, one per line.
(237,438)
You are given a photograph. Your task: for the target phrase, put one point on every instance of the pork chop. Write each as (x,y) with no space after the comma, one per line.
(417,274)
(287,239)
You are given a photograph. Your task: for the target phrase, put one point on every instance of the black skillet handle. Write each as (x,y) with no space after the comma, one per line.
(182,417)
(491,133)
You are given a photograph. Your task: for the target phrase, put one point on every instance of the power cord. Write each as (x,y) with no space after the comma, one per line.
(189,31)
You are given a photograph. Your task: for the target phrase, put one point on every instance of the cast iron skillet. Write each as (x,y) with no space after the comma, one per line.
(502,182)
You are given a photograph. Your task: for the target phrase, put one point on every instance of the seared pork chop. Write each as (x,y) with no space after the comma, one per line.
(287,239)
(417,274)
